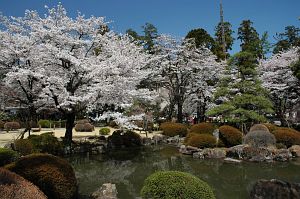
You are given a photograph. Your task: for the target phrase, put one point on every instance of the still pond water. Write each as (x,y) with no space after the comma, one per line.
(129,169)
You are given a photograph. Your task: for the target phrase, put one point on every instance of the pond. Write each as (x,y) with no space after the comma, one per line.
(129,169)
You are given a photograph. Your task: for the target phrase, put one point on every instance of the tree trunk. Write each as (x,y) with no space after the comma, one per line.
(179,113)
(70,119)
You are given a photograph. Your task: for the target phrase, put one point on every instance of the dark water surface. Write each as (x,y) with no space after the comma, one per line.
(129,169)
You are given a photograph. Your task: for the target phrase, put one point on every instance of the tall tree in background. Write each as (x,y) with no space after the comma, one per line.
(250,41)
(265,45)
(218,48)
(202,38)
(287,39)
(240,98)
(146,40)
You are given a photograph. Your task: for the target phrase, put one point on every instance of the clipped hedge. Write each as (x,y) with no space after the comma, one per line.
(13,186)
(86,127)
(175,185)
(10,126)
(121,139)
(259,127)
(46,143)
(83,121)
(45,123)
(287,136)
(271,127)
(53,175)
(260,138)
(230,136)
(7,156)
(203,128)
(23,146)
(202,141)
(104,131)
(173,129)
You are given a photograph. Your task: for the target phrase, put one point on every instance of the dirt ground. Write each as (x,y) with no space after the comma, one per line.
(7,137)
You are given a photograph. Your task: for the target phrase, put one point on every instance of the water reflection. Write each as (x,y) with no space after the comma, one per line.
(128,170)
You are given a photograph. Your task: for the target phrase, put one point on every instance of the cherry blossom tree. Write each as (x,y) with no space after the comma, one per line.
(277,76)
(77,62)
(184,71)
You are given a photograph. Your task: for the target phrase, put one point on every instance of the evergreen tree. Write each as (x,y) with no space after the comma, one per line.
(249,38)
(240,97)
(218,49)
(265,44)
(202,38)
(291,37)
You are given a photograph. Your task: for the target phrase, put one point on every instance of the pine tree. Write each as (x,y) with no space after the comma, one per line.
(241,98)
(249,38)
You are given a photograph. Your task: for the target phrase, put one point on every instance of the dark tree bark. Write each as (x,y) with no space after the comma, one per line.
(70,120)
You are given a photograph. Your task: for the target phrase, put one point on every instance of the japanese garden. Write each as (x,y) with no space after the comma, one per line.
(90,112)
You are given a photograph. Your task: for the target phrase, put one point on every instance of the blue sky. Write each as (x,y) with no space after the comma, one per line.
(174,17)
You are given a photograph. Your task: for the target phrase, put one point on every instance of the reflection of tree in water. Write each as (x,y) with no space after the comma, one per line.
(228,180)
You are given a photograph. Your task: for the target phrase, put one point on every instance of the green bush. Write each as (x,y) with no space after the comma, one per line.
(23,146)
(45,123)
(203,128)
(173,129)
(104,131)
(83,121)
(259,127)
(10,126)
(229,136)
(175,185)
(287,136)
(53,175)
(46,143)
(121,139)
(202,141)
(259,138)
(7,156)
(13,186)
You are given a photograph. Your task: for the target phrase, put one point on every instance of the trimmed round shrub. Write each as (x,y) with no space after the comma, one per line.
(53,175)
(271,127)
(287,136)
(86,127)
(121,139)
(202,141)
(7,156)
(45,123)
(230,136)
(175,185)
(104,131)
(173,129)
(259,127)
(188,136)
(259,138)
(10,126)
(23,146)
(84,121)
(13,186)
(203,128)
(46,143)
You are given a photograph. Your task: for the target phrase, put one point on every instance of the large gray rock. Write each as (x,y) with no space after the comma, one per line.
(208,153)
(275,189)
(106,191)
